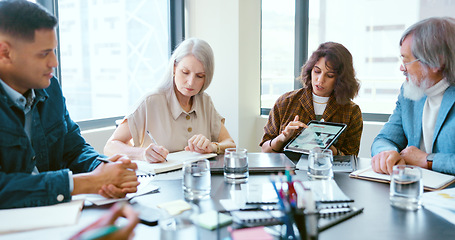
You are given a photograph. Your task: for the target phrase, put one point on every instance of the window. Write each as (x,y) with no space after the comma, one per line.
(370,30)
(277,69)
(111,53)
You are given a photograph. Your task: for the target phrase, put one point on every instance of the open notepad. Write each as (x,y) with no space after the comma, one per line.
(174,161)
(32,218)
(431,180)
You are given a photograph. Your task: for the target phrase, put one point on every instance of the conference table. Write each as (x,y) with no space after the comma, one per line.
(379,220)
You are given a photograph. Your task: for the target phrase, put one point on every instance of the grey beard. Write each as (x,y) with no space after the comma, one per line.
(412,91)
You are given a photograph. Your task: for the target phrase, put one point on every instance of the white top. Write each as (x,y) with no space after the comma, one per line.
(319,104)
(169,124)
(430,113)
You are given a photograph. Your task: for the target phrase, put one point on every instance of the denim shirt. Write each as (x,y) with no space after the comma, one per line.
(56,147)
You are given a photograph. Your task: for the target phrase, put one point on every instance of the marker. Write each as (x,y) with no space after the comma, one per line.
(99,232)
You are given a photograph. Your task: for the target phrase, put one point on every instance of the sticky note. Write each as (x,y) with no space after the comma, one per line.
(212,219)
(175,207)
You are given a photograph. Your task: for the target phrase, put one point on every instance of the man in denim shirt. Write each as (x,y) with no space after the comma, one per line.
(43,158)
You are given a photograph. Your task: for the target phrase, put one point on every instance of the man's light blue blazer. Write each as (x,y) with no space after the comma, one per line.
(404,128)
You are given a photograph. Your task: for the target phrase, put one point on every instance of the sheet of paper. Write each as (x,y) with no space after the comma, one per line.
(174,161)
(444,198)
(145,187)
(24,219)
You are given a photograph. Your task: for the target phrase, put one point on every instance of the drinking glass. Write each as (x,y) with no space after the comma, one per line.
(406,187)
(196,179)
(320,164)
(236,165)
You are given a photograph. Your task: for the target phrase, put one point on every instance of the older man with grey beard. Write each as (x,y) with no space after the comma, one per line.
(421,129)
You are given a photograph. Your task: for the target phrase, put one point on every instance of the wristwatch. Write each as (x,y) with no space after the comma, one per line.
(430,158)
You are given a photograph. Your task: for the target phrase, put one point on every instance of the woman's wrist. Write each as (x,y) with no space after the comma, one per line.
(271,147)
(217,148)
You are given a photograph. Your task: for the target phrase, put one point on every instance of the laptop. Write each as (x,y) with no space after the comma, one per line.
(258,163)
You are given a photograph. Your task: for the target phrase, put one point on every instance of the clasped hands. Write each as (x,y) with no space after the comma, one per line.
(197,143)
(383,162)
(117,178)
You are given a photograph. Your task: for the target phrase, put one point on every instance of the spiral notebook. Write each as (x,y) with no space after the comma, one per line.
(257,218)
(327,194)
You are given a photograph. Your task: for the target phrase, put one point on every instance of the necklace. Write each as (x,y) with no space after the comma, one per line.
(320,102)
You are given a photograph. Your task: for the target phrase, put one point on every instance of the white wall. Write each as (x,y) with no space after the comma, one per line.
(232,28)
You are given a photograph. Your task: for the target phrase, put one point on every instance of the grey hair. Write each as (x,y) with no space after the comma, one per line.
(201,50)
(433,44)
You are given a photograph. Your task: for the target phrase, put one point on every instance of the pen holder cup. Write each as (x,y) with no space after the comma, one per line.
(307,224)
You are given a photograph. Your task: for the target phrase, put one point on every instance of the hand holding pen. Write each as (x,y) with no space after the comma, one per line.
(155,153)
(106,228)
(104,160)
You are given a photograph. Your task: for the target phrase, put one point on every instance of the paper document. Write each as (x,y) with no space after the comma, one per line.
(174,161)
(31,218)
(441,203)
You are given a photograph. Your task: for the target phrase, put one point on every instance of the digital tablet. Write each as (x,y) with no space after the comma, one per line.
(317,135)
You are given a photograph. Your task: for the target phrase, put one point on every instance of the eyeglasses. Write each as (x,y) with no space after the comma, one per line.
(403,64)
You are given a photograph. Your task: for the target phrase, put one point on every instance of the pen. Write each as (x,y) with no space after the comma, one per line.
(104,160)
(154,142)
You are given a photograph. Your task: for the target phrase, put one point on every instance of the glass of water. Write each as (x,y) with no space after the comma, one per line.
(236,165)
(196,179)
(320,164)
(406,187)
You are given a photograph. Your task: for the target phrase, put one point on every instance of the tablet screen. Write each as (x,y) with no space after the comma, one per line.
(317,135)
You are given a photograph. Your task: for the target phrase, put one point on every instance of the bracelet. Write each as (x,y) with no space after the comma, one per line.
(338,151)
(270,143)
(218,148)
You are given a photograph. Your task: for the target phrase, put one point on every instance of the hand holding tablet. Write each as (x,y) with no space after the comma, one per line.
(317,135)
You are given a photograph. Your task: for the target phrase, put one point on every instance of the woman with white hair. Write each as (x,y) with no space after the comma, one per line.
(179,115)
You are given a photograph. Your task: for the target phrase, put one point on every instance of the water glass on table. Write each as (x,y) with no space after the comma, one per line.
(406,187)
(196,179)
(236,165)
(320,164)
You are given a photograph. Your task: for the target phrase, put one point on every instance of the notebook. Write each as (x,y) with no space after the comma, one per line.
(250,218)
(174,161)
(346,163)
(258,163)
(431,180)
(327,194)
(327,220)
(32,218)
